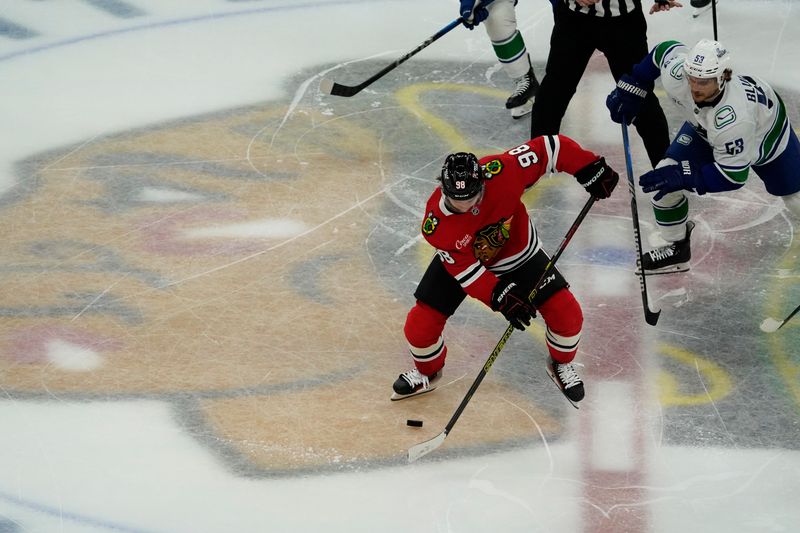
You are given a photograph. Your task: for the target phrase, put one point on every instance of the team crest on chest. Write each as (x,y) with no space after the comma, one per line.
(429,224)
(490,239)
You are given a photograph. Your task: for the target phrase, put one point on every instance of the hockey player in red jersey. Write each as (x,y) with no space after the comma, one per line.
(487,247)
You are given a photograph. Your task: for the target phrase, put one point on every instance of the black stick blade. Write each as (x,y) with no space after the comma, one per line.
(651,317)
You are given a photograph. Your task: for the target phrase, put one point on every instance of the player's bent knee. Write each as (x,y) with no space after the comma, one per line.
(424,325)
(423,331)
(562,313)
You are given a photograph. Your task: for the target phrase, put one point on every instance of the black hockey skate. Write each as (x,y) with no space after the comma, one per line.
(566,377)
(414,383)
(521,100)
(673,257)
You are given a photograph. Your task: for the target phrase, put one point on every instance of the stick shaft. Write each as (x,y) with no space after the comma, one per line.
(785,320)
(338,89)
(714,17)
(651,317)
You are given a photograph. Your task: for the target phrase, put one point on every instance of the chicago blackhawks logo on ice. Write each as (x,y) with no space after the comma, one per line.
(490,239)
(429,224)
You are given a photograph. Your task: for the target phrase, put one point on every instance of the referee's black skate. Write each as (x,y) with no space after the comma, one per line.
(521,100)
(673,257)
(414,383)
(566,377)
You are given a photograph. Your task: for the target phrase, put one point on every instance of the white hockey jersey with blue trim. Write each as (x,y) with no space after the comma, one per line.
(747,126)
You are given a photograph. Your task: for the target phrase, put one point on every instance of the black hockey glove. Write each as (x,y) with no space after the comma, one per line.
(625,100)
(511,300)
(598,178)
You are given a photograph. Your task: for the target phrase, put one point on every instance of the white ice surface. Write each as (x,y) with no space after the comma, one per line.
(127,466)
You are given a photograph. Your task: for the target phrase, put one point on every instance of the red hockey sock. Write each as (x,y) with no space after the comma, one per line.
(564,318)
(423,329)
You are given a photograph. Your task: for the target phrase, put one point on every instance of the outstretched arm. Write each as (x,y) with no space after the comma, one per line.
(687,176)
(591,170)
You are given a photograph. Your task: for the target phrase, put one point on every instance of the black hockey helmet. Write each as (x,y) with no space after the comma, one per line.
(461,176)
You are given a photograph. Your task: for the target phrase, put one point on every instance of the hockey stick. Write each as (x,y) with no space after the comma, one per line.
(714,17)
(651,317)
(329,86)
(770,325)
(424,448)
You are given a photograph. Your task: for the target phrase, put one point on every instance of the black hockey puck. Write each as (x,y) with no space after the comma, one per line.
(414,423)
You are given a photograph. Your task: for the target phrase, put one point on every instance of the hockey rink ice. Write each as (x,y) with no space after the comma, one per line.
(206,266)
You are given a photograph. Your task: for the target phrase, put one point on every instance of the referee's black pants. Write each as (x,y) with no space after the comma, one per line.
(575,37)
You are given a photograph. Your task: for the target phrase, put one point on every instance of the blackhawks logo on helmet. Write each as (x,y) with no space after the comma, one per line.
(429,224)
(490,239)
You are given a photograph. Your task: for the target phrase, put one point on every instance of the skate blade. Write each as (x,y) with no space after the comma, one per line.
(521,111)
(553,377)
(397,397)
(672,269)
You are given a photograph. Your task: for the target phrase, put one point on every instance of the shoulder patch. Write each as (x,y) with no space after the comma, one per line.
(429,224)
(725,115)
(493,167)
(675,67)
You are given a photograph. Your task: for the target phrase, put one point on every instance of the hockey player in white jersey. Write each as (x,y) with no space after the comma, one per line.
(735,123)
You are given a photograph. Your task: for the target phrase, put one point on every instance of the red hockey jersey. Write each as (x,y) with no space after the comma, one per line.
(497,235)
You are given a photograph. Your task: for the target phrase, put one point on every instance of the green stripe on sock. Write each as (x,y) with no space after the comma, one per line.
(669,216)
(510,48)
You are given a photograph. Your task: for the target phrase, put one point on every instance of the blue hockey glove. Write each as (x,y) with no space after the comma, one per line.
(681,177)
(472,14)
(626,99)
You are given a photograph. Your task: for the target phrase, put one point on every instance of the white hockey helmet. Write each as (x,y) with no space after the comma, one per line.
(708,59)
